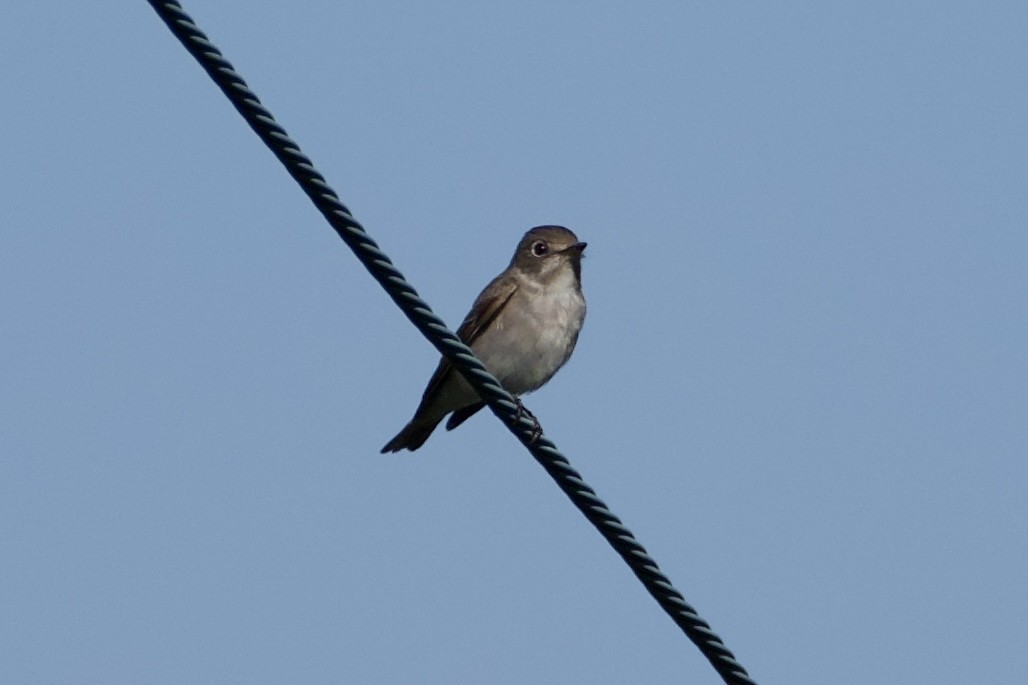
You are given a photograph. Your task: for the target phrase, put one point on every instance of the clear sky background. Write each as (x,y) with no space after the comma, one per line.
(802,382)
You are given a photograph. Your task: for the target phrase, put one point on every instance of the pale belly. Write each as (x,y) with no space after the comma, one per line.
(533,337)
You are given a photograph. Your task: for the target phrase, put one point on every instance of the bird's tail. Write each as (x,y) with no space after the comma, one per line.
(413,435)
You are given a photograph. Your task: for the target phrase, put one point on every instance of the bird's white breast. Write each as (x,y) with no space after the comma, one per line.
(536,332)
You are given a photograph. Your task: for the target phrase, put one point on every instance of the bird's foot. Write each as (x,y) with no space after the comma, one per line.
(522,411)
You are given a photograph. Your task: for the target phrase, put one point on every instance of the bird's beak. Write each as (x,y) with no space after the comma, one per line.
(574,250)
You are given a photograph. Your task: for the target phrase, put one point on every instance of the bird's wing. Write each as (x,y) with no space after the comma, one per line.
(463,414)
(487,307)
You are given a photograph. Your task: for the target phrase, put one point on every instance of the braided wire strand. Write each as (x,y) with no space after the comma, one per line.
(500,402)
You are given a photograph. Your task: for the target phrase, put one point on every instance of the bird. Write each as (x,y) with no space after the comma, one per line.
(523,326)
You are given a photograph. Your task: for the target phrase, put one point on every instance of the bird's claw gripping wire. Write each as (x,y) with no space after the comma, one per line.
(523,412)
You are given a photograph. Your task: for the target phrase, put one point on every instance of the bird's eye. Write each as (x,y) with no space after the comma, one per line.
(539,248)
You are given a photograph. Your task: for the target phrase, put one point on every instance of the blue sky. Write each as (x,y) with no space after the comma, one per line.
(802,380)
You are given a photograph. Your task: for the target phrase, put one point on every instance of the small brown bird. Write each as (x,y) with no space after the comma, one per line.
(523,327)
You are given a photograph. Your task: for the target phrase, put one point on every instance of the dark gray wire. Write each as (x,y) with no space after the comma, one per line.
(500,402)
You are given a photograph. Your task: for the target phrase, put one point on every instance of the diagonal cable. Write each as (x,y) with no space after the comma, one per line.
(420,314)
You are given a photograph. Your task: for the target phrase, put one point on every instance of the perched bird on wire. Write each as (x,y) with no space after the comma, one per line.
(523,327)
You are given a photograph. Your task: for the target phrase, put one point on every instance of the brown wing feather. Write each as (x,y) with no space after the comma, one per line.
(463,414)
(487,307)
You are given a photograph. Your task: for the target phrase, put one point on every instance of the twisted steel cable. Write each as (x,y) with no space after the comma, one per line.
(520,423)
